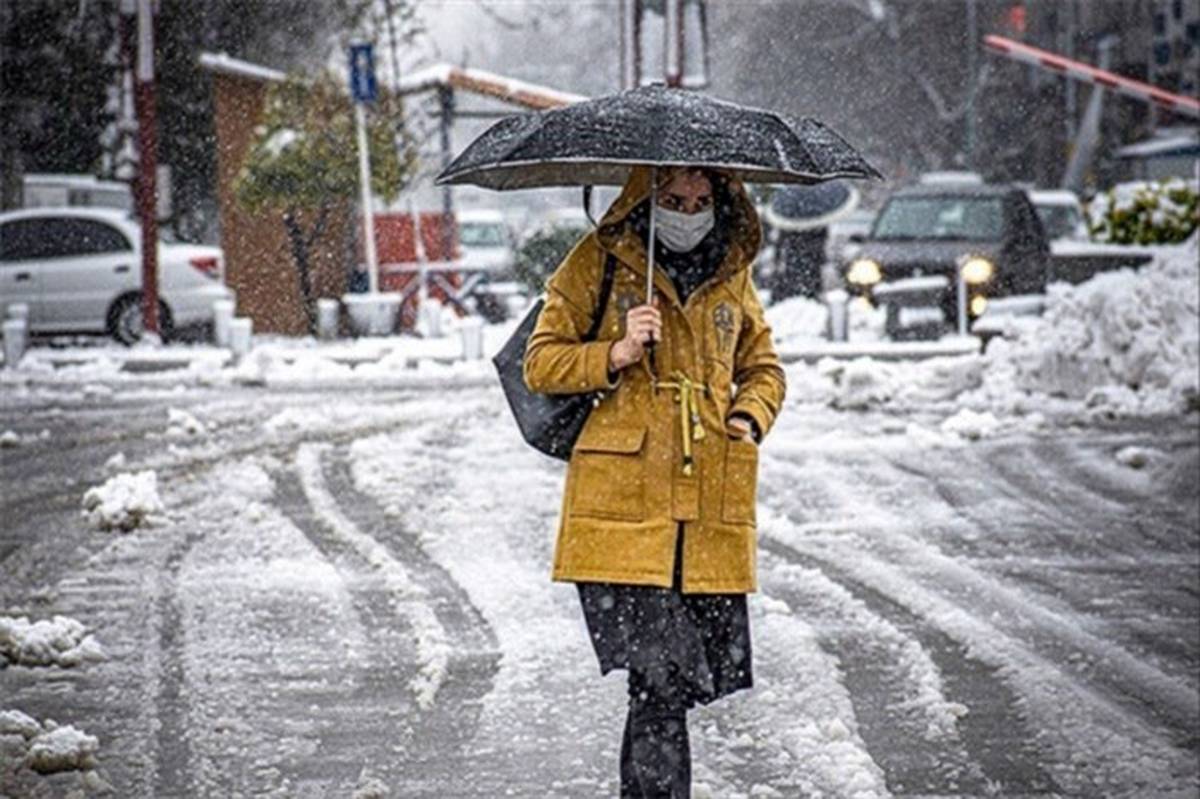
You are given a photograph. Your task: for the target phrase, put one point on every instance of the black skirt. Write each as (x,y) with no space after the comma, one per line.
(695,647)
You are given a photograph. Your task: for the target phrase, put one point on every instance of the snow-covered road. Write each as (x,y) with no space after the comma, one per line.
(348,592)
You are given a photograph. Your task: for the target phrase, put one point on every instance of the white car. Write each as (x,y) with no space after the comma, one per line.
(487,243)
(79,271)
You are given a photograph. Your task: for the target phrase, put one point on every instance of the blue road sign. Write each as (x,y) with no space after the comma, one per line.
(362,73)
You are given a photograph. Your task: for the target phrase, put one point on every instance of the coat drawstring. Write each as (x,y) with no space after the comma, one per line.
(690,427)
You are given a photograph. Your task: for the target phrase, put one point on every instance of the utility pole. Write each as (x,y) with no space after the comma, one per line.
(972,44)
(673,42)
(631,66)
(146,188)
(363,90)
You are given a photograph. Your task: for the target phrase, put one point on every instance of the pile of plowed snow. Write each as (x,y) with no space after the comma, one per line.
(60,641)
(124,502)
(1128,340)
(47,747)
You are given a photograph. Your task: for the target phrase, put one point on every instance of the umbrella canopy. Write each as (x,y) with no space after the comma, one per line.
(595,142)
(795,208)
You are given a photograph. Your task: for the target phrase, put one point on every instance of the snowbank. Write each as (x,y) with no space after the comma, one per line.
(865,382)
(797,318)
(60,641)
(1123,343)
(124,502)
(1127,340)
(800,320)
(50,748)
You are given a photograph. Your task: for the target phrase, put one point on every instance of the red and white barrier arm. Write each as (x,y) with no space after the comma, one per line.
(1077,70)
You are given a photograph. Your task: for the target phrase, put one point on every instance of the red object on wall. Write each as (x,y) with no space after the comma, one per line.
(394,240)
(396,246)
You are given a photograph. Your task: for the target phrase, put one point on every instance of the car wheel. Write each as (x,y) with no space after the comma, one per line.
(125,323)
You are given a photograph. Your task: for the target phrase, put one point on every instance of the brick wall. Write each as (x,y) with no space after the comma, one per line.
(258,263)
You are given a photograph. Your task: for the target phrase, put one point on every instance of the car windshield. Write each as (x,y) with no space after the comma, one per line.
(480,234)
(1060,221)
(959,218)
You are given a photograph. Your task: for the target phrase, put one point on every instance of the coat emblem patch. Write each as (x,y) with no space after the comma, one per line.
(723,322)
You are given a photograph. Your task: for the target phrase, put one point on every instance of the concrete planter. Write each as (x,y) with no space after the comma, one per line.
(372,314)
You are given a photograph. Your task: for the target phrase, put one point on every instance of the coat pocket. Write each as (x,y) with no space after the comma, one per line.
(609,473)
(740,494)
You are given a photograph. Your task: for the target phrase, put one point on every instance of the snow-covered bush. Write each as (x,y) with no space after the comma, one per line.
(1141,212)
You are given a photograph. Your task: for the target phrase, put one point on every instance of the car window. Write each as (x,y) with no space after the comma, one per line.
(967,218)
(21,240)
(59,237)
(477,234)
(1060,221)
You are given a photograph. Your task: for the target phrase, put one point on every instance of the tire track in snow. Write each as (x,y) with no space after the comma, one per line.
(471,664)
(454,652)
(997,743)
(368,727)
(1067,681)
(172,754)
(1050,625)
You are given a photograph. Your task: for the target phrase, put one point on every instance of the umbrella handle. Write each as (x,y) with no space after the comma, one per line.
(650,260)
(650,237)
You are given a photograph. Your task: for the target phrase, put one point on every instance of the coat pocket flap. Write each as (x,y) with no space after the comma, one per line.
(620,440)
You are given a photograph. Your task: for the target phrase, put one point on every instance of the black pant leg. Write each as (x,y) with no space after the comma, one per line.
(658,755)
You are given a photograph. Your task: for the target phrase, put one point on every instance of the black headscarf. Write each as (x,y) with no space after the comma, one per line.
(689,270)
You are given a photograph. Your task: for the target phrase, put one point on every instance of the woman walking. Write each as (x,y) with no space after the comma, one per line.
(657,524)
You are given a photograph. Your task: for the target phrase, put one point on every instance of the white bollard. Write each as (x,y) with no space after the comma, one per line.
(16,339)
(838,328)
(328,313)
(222,316)
(240,331)
(18,310)
(471,330)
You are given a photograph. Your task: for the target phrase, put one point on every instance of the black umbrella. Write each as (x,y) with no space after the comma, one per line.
(595,142)
(795,208)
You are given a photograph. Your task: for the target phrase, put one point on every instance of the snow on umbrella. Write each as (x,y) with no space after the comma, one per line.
(595,142)
(796,208)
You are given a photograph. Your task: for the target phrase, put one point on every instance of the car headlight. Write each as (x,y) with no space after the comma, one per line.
(978,305)
(977,269)
(864,272)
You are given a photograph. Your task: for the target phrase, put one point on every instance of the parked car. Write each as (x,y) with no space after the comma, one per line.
(486,242)
(79,271)
(1061,214)
(925,234)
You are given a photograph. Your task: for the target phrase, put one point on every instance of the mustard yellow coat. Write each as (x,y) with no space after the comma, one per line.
(629,484)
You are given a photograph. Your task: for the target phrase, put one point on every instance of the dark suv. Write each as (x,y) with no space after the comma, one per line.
(926,236)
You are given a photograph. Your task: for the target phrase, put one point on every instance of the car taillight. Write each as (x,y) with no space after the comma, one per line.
(208,264)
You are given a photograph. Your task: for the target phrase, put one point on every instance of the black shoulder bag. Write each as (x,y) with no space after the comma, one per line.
(549,422)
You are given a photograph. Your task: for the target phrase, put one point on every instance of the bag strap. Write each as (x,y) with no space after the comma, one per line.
(606,284)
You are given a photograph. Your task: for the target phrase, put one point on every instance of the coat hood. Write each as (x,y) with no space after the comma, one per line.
(615,235)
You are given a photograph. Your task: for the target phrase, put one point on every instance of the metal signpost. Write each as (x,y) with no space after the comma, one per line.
(147,162)
(364,90)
